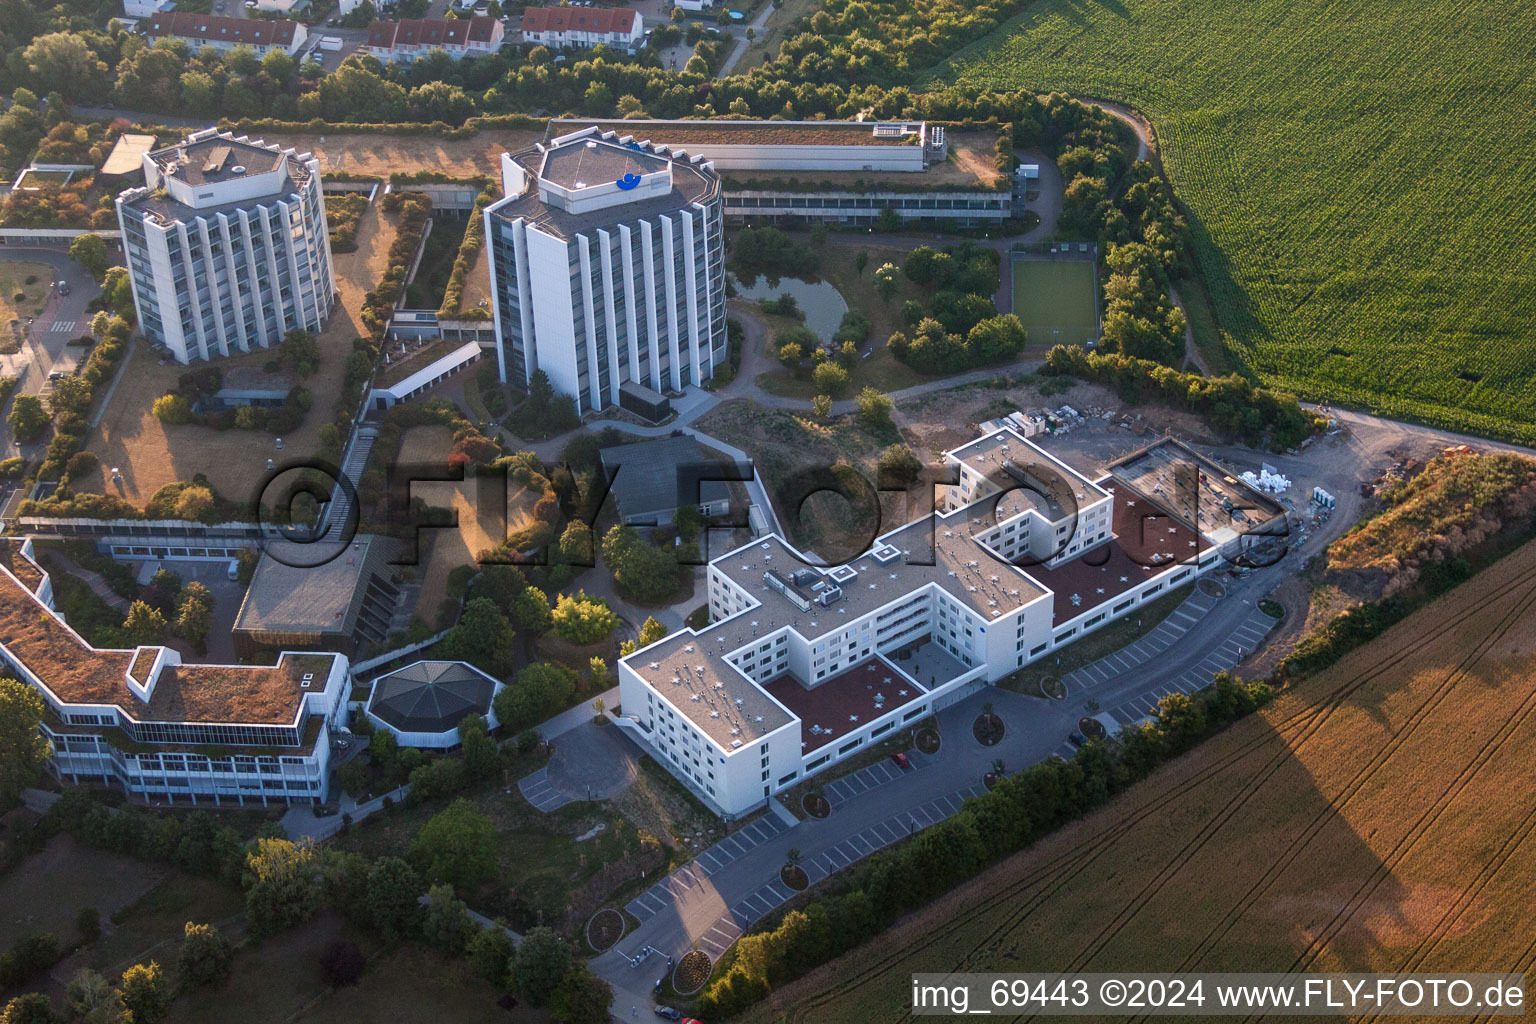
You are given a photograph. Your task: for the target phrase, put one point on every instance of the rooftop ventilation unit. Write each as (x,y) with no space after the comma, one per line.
(843,573)
(885,554)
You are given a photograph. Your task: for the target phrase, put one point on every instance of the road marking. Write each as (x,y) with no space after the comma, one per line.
(61,326)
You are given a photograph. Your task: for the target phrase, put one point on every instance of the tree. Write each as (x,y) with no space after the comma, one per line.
(63,62)
(650,632)
(476,747)
(88,924)
(641,570)
(90,251)
(581,998)
(144,625)
(830,379)
(70,395)
(93,1000)
(542,961)
(490,954)
(445,922)
(29,1008)
(599,669)
(583,620)
(898,465)
(342,964)
(483,637)
(688,521)
(300,350)
(27,418)
(205,956)
(458,846)
(23,750)
(531,612)
(194,614)
(146,993)
(821,406)
(280,886)
(875,408)
(172,408)
(393,888)
(885,281)
(541,690)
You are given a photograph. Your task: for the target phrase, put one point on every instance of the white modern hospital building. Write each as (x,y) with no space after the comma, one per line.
(607,267)
(801,665)
(227,246)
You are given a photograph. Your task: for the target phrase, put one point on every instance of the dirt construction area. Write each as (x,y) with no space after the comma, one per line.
(1376,817)
(150,454)
(383,155)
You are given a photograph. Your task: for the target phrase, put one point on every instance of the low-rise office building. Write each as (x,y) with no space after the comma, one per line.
(162,730)
(345,603)
(227,246)
(802,665)
(850,172)
(607,266)
(653,479)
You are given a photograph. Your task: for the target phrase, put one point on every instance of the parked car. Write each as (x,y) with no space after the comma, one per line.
(333,22)
(1076,739)
(901,760)
(63,287)
(669,1013)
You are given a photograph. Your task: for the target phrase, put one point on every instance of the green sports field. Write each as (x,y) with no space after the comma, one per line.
(1054,300)
(1355,176)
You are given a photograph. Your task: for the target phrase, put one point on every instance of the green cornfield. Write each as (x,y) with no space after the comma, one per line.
(1358,178)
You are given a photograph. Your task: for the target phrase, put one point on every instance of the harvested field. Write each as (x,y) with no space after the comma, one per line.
(151,454)
(383,155)
(1376,817)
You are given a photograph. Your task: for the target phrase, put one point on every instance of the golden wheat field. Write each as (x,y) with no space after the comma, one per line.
(1378,816)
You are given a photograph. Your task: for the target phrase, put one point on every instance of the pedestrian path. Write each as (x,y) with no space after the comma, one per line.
(63,326)
(537,791)
(659,896)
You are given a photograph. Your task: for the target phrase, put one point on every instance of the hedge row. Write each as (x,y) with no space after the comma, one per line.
(469,252)
(468,129)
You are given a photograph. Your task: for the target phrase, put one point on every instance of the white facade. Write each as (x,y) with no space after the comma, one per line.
(227,258)
(583,27)
(933,611)
(613,279)
(772,146)
(120,736)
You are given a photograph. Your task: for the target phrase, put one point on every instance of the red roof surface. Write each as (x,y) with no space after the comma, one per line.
(214,28)
(844,703)
(431,32)
(579,19)
(1147,540)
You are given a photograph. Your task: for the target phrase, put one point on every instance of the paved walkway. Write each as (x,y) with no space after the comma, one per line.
(95,580)
(590,762)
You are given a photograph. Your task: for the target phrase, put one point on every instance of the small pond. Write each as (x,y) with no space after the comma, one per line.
(823,304)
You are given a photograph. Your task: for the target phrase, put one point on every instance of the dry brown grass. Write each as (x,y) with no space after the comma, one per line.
(151,454)
(1376,818)
(382,155)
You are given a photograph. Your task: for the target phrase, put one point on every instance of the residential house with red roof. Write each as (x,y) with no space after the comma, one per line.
(199,30)
(560,27)
(403,41)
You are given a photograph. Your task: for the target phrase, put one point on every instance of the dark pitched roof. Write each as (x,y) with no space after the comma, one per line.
(661,475)
(215,28)
(431,696)
(579,19)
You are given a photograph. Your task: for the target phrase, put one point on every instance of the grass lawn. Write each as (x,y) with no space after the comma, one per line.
(1386,268)
(280,980)
(1056,301)
(46,890)
(32,282)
